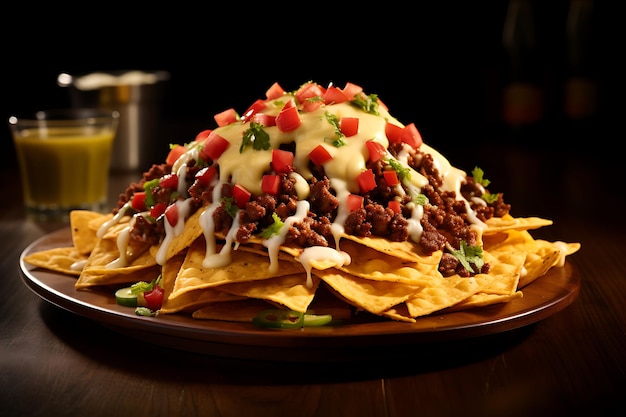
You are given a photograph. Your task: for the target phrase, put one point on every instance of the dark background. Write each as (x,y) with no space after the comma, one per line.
(442,65)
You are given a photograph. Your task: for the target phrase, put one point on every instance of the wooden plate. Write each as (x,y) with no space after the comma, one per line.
(542,298)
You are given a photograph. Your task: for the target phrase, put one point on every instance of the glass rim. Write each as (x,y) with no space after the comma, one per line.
(64,115)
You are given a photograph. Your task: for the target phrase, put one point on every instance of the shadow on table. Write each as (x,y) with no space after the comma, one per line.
(107,346)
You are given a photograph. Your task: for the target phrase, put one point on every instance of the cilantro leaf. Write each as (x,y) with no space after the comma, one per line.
(230,206)
(402,171)
(255,136)
(274,228)
(478,176)
(489,198)
(469,255)
(368,104)
(339,136)
(420,199)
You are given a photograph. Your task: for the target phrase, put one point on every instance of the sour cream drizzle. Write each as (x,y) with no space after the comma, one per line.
(172,231)
(321,253)
(273,243)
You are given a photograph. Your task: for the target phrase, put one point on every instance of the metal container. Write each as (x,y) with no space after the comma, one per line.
(137,96)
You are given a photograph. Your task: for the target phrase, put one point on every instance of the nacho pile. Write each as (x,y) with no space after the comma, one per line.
(316,200)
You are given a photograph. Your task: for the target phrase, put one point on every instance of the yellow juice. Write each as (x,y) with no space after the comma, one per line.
(65,168)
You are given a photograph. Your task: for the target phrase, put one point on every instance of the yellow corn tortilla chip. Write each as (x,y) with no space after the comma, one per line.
(290,291)
(84,237)
(178,243)
(98,277)
(407,250)
(373,296)
(482,299)
(451,291)
(508,222)
(58,260)
(100,268)
(374,265)
(506,268)
(244,266)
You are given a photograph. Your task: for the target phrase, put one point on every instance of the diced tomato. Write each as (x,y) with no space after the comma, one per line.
(334,95)
(206,175)
(226,117)
(411,136)
(154,298)
(320,155)
(203,135)
(256,107)
(366,181)
(375,149)
(171,214)
(214,147)
(349,126)
(274,92)
(391,177)
(308,91)
(270,184)
(351,90)
(241,195)
(282,161)
(158,210)
(139,201)
(288,119)
(393,132)
(174,154)
(311,105)
(395,206)
(169,181)
(264,119)
(354,202)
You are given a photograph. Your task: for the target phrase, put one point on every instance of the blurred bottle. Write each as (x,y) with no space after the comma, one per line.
(580,95)
(523,97)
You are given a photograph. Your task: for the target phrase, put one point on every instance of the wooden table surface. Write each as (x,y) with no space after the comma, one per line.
(56,363)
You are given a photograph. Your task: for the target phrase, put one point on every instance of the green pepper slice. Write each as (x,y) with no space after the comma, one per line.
(277,318)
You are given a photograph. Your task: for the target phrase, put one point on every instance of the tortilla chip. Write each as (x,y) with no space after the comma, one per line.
(505,268)
(84,237)
(374,265)
(244,266)
(100,268)
(178,243)
(58,259)
(508,222)
(451,290)
(373,296)
(290,291)
(406,250)
(482,299)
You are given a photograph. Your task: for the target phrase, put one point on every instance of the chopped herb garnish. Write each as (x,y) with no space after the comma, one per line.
(489,198)
(255,136)
(274,228)
(402,171)
(230,206)
(468,256)
(148,186)
(368,104)
(339,136)
(478,176)
(420,199)
(143,286)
